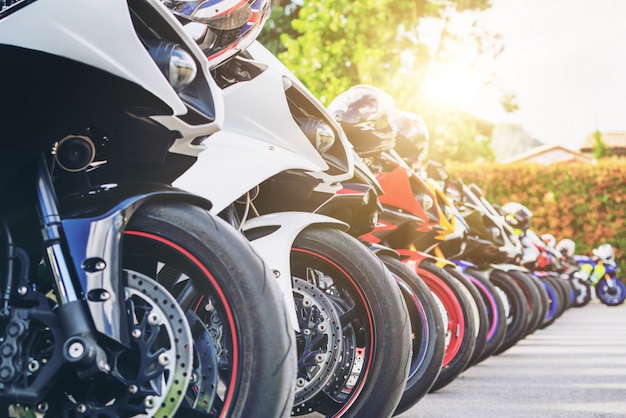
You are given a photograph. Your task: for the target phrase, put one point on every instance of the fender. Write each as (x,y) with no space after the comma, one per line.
(464,264)
(272,237)
(93,224)
(383,250)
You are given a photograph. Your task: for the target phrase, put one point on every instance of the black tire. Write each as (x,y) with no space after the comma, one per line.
(245,351)
(374,322)
(517,318)
(564,300)
(568,291)
(496,314)
(456,365)
(428,333)
(611,295)
(480,312)
(554,301)
(536,304)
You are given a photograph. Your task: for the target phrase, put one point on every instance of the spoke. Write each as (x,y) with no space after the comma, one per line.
(188,297)
(348,317)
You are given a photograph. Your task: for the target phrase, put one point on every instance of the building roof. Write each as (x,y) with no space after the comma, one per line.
(549,154)
(613,140)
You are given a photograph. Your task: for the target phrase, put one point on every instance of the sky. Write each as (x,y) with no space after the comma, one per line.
(565,60)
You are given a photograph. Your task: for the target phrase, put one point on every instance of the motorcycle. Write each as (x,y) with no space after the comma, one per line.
(284,159)
(566,249)
(122,296)
(363,112)
(600,271)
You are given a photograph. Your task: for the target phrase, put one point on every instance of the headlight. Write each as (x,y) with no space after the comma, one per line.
(319,133)
(424,200)
(325,137)
(182,69)
(177,65)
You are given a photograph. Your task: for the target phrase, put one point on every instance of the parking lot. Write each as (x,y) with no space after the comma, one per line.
(574,368)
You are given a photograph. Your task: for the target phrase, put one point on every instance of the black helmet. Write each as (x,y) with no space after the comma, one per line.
(517,215)
(411,138)
(363,113)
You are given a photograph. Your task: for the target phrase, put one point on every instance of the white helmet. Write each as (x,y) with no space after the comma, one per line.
(567,247)
(605,253)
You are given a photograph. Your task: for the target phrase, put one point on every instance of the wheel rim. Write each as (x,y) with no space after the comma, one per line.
(613,293)
(201,296)
(419,325)
(490,303)
(456,324)
(357,331)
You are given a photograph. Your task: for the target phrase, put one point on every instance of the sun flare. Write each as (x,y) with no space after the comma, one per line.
(462,87)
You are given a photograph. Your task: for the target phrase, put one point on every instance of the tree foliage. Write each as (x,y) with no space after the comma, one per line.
(599,149)
(394,45)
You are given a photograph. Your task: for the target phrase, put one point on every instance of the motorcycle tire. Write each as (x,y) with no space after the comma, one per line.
(517,311)
(245,354)
(374,354)
(536,305)
(569,288)
(553,303)
(428,333)
(461,330)
(480,311)
(496,313)
(564,295)
(611,296)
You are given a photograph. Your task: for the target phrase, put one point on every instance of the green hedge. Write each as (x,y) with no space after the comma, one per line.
(583,202)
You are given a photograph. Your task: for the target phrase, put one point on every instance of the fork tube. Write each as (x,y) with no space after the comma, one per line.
(51,229)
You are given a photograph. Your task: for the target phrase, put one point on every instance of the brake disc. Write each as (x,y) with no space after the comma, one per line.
(319,342)
(152,377)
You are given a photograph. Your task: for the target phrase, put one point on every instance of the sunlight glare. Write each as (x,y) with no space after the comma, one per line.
(463,88)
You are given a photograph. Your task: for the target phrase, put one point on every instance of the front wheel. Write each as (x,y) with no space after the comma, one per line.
(611,291)
(582,292)
(428,334)
(461,330)
(354,353)
(244,351)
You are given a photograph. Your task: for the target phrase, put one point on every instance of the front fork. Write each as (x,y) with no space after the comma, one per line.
(83,255)
(80,345)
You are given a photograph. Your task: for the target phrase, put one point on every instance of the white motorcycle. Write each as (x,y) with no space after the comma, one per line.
(281,159)
(120,295)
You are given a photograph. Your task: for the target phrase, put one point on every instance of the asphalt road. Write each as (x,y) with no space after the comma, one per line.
(575,368)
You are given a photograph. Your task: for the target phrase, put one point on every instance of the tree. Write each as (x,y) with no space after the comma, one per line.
(599,149)
(394,45)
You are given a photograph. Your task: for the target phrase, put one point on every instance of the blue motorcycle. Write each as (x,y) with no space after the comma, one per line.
(601,271)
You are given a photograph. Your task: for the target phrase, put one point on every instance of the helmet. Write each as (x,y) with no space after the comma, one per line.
(567,247)
(222,28)
(363,113)
(605,253)
(517,215)
(411,138)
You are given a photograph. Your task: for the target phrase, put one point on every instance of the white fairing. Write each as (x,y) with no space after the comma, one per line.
(275,248)
(234,164)
(259,139)
(93,32)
